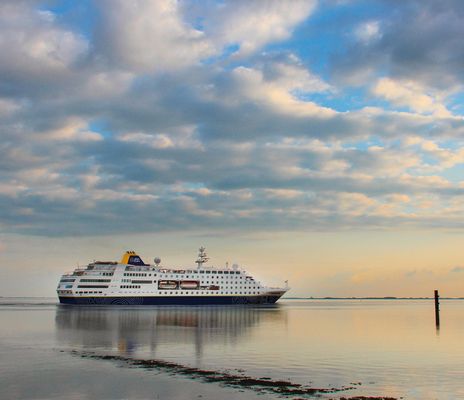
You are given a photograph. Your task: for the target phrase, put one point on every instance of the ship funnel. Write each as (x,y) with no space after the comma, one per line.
(130,257)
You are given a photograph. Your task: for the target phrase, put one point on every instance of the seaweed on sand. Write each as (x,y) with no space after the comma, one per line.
(265,384)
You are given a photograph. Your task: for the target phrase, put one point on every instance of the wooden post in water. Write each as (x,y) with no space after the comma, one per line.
(437,309)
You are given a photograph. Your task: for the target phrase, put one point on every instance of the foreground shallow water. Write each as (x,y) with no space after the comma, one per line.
(365,347)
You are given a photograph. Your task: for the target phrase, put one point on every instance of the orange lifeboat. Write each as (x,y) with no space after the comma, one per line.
(167,285)
(189,284)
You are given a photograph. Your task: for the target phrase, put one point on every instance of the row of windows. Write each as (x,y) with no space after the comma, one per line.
(92,286)
(199,272)
(136,281)
(67,280)
(95,280)
(222,279)
(229,283)
(137,274)
(220,272)
(235,287)
(89,292)
(148,281)
(231,287)
(108,273)
(130,286)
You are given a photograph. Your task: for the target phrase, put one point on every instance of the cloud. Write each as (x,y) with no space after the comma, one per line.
(251,25)
(411,95)
(277,93)
(187,115)
(368,31)
(8,107)
(35,49)
(154,36)
(147,36)
(419,42)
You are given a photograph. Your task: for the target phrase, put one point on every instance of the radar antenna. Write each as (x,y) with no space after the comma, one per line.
(202,256)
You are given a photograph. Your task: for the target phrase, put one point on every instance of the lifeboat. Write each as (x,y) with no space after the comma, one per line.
(167,285)
(189,284)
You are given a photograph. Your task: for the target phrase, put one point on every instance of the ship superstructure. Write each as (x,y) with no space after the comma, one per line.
(132,282)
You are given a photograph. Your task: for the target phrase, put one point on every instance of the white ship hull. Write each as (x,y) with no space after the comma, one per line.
(132,282)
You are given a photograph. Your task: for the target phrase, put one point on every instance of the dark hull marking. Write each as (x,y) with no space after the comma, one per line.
(170,300)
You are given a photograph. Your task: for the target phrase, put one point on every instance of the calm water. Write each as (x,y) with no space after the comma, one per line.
(386,347)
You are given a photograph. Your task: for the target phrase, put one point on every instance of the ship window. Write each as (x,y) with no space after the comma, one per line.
(219,272)
(202,272)
(208,272)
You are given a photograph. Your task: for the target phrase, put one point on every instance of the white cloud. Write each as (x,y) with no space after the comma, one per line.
(31,41)
(410,94)
(149,36)
(277,92)
(181,137)
(8,107)
(252,24)
(73,129)
(368,31)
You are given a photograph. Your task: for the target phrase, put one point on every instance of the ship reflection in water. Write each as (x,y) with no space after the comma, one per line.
(171,332)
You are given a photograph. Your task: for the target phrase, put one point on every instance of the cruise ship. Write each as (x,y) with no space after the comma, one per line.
(132,282)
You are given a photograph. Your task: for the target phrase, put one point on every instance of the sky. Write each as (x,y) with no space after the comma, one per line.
(315,141)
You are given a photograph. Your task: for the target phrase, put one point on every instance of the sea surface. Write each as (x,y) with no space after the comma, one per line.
(332,348)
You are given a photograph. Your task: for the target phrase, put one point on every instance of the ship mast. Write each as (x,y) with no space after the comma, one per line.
(202,257)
